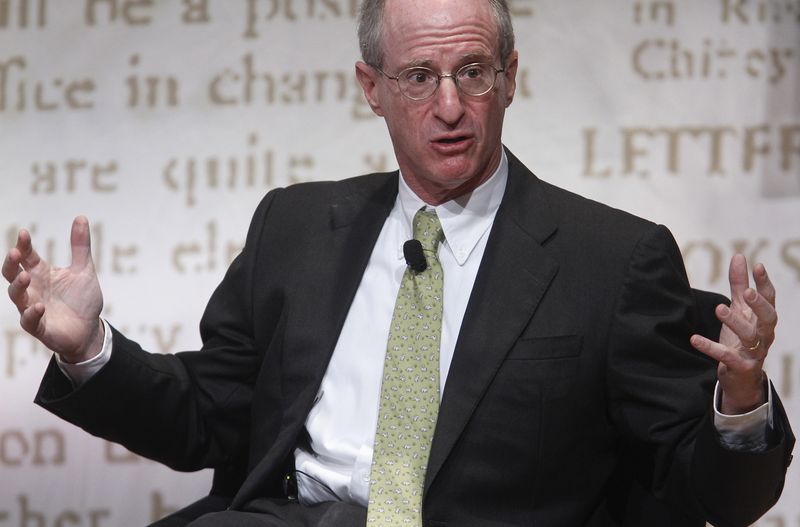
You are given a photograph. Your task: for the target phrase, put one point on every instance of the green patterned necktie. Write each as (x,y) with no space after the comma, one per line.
(409,401)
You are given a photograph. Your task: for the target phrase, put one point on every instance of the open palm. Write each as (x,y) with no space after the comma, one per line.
(60,306)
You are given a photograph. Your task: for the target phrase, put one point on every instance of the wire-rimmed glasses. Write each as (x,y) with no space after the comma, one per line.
(418,83)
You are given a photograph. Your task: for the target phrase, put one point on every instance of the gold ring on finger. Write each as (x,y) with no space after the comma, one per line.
(755,346)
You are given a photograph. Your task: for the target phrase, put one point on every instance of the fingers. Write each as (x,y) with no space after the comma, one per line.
(31,318)
(715,350)
(29,258)
(81,243)
(752,316)
(763,283)
(22,255)
(18,290)
(762,302)
(737,276)
(11,264)
(766,316)
(754,337)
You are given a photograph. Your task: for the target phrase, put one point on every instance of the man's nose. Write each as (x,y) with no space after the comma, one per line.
(449,107)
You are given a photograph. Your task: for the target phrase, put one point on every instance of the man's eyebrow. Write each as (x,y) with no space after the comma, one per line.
(419,63)
(475,57)
(467,58)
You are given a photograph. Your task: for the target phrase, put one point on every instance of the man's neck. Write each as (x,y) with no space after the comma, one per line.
(434,195)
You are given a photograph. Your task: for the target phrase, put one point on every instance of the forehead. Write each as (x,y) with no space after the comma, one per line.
(438,31)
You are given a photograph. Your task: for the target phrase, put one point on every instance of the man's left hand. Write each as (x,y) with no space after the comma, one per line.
(748,330)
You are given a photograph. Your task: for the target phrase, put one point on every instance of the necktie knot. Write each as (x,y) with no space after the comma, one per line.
(428,230)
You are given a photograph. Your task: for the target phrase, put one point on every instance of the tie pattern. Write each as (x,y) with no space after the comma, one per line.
(409,400)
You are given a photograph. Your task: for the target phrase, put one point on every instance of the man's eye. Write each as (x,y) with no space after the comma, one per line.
(418,77)
(472,73)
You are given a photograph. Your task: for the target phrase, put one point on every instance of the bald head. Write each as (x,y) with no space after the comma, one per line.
(370,28)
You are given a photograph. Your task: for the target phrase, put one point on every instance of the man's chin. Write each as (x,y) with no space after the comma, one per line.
(456,171)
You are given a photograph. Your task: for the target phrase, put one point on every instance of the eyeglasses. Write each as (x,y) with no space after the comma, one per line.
(418,83)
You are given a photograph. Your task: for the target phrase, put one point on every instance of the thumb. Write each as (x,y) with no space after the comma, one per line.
(81,242)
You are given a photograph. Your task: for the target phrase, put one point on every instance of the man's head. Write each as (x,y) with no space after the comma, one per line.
(448,143)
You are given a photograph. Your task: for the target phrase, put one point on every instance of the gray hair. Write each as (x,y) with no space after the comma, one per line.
(370,30)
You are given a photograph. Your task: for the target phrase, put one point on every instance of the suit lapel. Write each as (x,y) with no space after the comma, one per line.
(513,276)
(356,218)
(330,280)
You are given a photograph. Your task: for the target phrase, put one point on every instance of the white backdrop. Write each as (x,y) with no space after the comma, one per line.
(165,121)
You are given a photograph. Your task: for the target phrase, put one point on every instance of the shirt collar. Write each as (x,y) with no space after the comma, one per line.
(466,219)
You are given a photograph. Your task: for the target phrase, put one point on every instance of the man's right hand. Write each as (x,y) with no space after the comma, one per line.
(59,306)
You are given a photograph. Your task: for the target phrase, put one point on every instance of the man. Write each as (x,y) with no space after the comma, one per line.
(560,334)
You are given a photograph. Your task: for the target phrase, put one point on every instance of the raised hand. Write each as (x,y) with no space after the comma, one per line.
(748,330)
(60,306)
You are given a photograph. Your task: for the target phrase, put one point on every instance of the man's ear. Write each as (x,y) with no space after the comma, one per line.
(368,78)
(511,77)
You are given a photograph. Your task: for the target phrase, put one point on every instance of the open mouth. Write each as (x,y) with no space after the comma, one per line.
(452,140)
(455,145)
(450,145)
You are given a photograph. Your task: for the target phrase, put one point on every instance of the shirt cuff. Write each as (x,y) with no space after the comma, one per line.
(744,432)
(80,372)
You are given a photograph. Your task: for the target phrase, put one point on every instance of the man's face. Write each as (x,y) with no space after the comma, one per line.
(448,144)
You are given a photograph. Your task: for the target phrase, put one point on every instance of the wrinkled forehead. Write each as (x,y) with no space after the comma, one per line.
(414,29)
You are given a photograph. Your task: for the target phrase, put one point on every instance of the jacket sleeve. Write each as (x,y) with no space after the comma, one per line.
(661,399)
(190,410)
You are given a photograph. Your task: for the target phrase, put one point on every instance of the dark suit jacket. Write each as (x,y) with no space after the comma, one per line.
(572,384)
